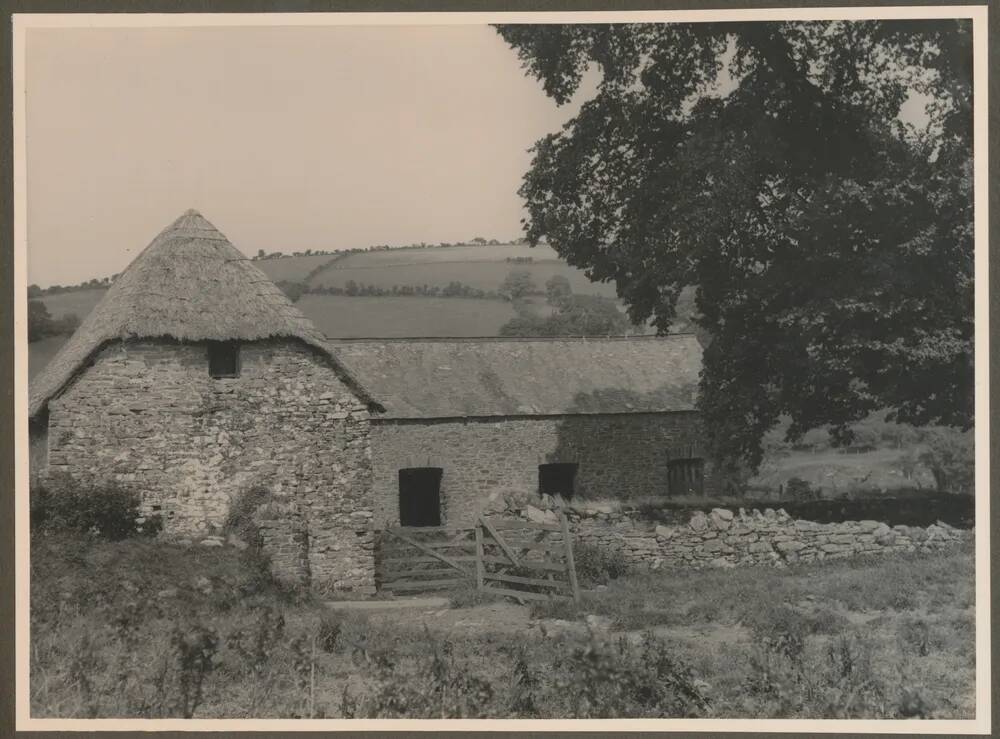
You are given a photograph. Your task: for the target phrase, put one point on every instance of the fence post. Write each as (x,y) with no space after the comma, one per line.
(570,565)
(479,555)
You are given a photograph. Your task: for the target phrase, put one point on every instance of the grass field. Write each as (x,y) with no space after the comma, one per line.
(480,267)
(835,473)
(171,631)
(292,269)
(480,275)
(80,302)
(339,316)
(495,253)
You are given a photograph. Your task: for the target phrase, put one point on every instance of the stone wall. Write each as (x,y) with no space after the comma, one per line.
(147,415)
(481,457)
(723,538)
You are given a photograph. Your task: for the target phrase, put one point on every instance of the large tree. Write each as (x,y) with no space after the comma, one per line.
(829,239)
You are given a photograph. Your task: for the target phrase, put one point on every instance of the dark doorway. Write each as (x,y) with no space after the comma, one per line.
(686,477)
(420,496)
(557,478)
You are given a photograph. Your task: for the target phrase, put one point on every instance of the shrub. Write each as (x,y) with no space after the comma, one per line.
(618,680)
(241,520)
(950,456)
(596,564)
(433,685)
(108,510)
(799,489)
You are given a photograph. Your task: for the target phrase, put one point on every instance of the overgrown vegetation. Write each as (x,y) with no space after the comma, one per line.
(107,511)
(596,565)
(173,631)
(574,315)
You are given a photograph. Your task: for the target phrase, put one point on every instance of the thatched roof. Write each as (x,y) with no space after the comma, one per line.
(189,284)
(455,378)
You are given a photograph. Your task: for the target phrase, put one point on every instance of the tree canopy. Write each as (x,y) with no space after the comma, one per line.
(517,284)
(767,164)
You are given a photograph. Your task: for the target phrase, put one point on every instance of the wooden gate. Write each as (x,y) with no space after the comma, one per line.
(414,559)
(520,559)
(526,560)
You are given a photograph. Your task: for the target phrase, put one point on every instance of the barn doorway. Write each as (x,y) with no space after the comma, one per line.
(557,478)
(686,477)
(420,496)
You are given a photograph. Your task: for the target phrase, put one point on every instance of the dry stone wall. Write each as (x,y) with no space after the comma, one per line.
(724,538)
(147,416)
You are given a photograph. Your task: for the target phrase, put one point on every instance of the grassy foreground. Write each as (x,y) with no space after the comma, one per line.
(139,628)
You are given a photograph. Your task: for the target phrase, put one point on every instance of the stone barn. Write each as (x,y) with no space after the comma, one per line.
(196,383)
(578,417)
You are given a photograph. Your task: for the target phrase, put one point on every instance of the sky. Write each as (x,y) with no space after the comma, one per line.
(285,138)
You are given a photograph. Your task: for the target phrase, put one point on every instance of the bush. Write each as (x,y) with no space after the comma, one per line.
(618,680)
(108,511)
(950,456)
(241,520)
(595,564)
(799,489)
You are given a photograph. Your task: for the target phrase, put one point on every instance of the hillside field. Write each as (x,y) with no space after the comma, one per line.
(292,269)
(482,267)
(80,302)
(834,472)
(340,316)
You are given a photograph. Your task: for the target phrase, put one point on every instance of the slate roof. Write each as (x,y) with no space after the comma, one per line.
(453,378)
(189,284)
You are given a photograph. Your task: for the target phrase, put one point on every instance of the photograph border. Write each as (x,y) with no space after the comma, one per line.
(16,300)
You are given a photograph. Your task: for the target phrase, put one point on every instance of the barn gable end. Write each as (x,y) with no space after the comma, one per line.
(133,400)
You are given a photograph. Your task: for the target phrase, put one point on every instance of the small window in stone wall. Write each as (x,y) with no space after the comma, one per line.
(686,477)
(224,359)
(557,478)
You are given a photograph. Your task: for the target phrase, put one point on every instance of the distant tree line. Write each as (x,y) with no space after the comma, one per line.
(262,255)
(41,324)
(454,289)
(97,283)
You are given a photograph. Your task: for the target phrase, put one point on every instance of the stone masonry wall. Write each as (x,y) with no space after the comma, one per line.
(481,457)
(148,416)
(727,539)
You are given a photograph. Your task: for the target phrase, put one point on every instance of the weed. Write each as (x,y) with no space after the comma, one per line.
(254,648)
(468,596)
(432,686)
(141,642)
(596,564)
(618,680)
(195,652)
